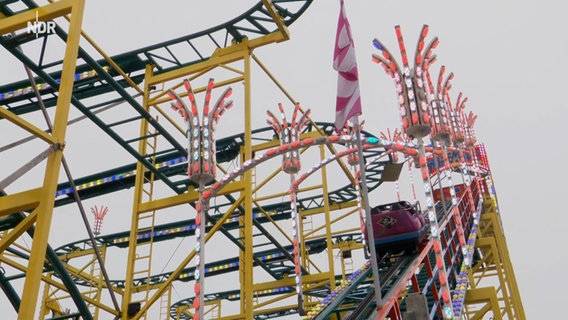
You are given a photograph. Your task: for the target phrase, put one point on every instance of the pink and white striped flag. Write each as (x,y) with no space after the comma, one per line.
(344,61)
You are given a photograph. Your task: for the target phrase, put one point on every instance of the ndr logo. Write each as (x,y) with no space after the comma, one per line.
(40,27)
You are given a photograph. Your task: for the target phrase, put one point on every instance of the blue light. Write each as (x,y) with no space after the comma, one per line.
(377,45)
(372,140)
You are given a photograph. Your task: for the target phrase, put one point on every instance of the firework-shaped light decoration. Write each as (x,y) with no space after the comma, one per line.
(99,214)
(201,152)
(442,133)
(441,128)
(415,112)
(289,133)
(459,129)
(470,140)
(469,132)
(456,114)
(412,98)
(201,167)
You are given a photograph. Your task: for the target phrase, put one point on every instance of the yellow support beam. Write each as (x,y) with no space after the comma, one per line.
(162,97)
(214,61)
(277,19)
(44,209)
(247,265)
(327,215)
(494,274)
(18,202)
(188,197)
(137,201)
(29,127)
(332,207)
(48,280)
(18,230)
(290,282)
(488,298)
(221,56)
(161,289)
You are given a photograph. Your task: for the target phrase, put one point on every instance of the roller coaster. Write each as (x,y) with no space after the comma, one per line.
(270,238)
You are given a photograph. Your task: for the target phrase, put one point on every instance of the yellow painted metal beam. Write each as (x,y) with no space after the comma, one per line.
(290,282)
(247,266)
(332,207)
(284,193)
(495,268)
(272,301)
(18,202)
(161,289)
(29,127)
(186,309)
(163,98)
(188,197)
(277,19)
(138,197)
(77,254)
(486,296)
(274,37)
(511,281)
(327,218)
(276,309)
(194,68)
(51,176)
(283,233)
(52,282)
(348,245)
(314,233)
(240,316)
(85,276)
(221,56)
(489,245)
(18,230)
(49,304)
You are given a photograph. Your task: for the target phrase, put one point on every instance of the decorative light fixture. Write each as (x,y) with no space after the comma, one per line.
(290,136)
(99,214)
(201,167)
(415,114)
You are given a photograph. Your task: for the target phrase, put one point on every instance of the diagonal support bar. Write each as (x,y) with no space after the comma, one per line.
(22,201)
(28,166)
(20,122)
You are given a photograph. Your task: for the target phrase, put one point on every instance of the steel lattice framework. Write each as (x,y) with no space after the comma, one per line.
(245,207)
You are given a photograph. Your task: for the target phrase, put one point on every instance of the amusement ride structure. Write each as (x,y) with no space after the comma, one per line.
(275,214)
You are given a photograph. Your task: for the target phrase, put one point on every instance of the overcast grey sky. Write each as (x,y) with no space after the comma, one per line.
(508,60)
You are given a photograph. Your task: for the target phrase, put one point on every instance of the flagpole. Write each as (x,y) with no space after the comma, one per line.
(348,105)
(368,222)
